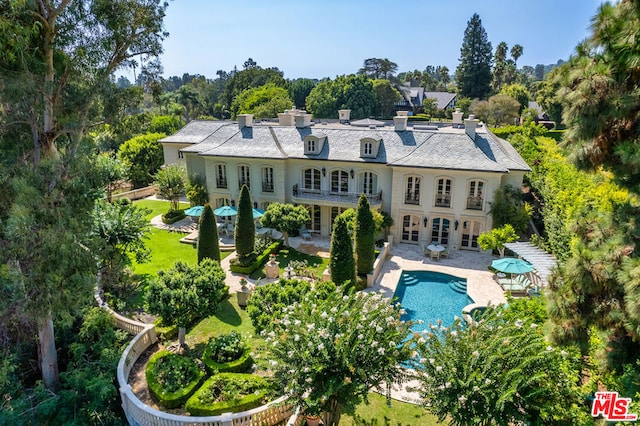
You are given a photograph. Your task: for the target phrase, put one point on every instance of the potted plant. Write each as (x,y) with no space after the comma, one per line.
(312,411)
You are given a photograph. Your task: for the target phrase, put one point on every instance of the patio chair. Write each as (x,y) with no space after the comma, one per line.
(229,230)
(304,233)
(435,255)
(445,252)
(425,250)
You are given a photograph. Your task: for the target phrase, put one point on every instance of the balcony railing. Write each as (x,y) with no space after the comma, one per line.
(267,186)
(343,197)
(412,199)
(474,203)
(443,201)
(221,183)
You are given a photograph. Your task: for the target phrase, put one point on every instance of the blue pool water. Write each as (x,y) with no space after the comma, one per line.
(431,296)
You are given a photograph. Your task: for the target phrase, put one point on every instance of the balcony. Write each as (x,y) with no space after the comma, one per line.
(221,183)
(443,200)
(474,203)
(410,198)
(267,186)
(340,197)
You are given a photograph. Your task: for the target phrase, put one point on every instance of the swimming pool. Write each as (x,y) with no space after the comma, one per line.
(431,296)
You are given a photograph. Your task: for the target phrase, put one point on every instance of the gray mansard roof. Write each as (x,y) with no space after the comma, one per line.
(445,148)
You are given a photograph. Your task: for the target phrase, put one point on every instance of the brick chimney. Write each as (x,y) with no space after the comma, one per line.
(245,120)
(400,122)
(470,125)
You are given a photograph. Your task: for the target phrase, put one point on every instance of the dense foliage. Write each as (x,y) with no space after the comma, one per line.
(342,261)
(225,348)
(286,218)
(497,238)
(354,92)
(170,181)
(184,293)
(499,371)
(143,157)
(498,110)
(328,352)
(265,307)
(263,102)
(172,378)
(509,208)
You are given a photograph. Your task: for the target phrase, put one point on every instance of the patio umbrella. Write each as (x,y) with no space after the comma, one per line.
(195,211)
(512,265)
(225,211)
(257,213)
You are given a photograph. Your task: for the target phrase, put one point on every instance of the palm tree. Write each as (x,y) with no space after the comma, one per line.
(516,52)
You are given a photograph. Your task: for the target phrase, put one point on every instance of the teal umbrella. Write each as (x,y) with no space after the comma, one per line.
(225,211)
(195,211)
(512,265)
(257,213)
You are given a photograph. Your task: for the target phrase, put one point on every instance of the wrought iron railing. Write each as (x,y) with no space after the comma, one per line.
(324,195)
(474,203)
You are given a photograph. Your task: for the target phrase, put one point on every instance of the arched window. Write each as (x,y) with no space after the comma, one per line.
(339,181)
(312,179)
(443,192)
(244,177)
(475,198)
(410,228)
(367,183)
(412,194)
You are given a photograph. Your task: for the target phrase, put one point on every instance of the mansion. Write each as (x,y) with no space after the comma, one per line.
(437,183)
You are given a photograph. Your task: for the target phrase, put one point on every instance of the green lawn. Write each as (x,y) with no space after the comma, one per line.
(165,246)
(378,413)
(316,264)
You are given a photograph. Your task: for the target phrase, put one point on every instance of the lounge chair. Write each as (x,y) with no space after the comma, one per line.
(519,284)
(304,233)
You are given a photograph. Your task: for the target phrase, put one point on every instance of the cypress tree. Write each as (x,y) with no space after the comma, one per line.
(365,237)
(473,75)
(245,231)
(342,262)
(208,244)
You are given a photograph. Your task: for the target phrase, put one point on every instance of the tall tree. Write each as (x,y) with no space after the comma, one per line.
(386,97)
(364,237)
(300,89)
(516,52)
(378,68)
(208,243)
(599,95)
(245,231)
(500,65)
(342,262)
(56,60)
(184,293)
(171,184)
(473,74)
(143,157)
(263,102)
(286,218)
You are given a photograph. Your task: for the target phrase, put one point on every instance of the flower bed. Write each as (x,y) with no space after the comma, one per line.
(172,378)
(228,392)
(227,353)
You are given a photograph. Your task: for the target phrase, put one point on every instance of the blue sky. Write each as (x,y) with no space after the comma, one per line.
(326,38)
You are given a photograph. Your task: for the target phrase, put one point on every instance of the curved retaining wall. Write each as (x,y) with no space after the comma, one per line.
(140,414)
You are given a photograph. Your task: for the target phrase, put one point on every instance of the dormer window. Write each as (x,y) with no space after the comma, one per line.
(369,147)
(313,143)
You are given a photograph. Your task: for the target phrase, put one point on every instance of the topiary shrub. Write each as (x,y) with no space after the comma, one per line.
(227,353)
(228,393)
(236,266)
(172,378)
(172,216)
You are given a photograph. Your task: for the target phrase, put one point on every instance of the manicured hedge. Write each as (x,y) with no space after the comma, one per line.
(240,365)
(177,398)
(197,406)
(173,216)
(260,260)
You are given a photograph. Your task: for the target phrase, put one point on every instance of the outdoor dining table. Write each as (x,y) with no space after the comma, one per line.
(436,248)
